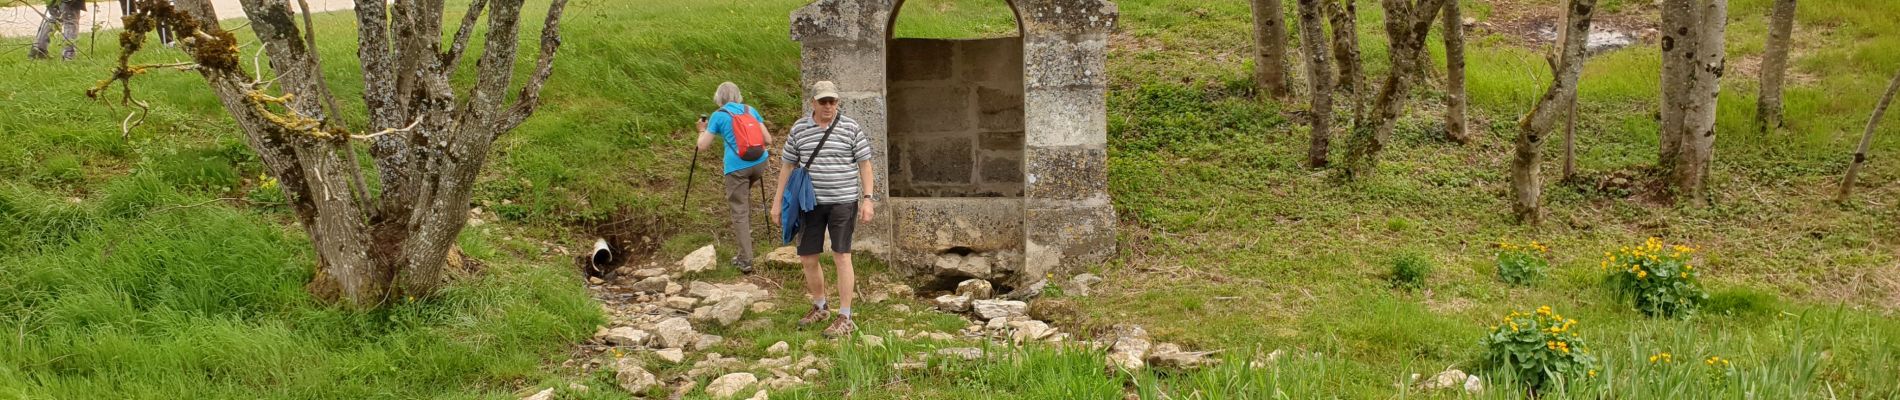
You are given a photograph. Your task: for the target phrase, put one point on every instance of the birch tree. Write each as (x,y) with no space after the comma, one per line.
(1407,22)
(428,145)
(1319,76)
(1344,15)
(1774,66)
(1526,178)
(1867,140)
(1455,74)
(1693,62)
(1269,36)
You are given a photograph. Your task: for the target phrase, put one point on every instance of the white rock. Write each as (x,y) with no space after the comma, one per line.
(648,273)
(681,302)
(761,395)
(900,290)
(699,260)
(655,284)
(1450,378)
(763,307)
(966,353)
(595,281)
(674,288)
(997,324)
(999,308)
(1129,350)
(784,256)
(1027,331)
(723,313)
(544,394)
(900,308)
(785,382)
(773,363)
(871,340)
(674,355)
(953,303)
(975,289)
(708,341)
(626,336)
(1473,384)
(674,332)
(778,348)
(1080,284)
(1170,356)
(632,377)
(730,384)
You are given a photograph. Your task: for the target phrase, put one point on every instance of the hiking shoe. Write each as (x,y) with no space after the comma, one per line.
(841,327)
(744,266)
(816,315)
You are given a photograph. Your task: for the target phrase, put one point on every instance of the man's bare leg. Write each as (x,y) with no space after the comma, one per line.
(847,280)
(814,278)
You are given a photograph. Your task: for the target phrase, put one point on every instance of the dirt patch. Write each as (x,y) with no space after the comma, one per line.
(1532,23)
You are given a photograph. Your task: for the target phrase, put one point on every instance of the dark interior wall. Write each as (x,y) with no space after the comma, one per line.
(956,117)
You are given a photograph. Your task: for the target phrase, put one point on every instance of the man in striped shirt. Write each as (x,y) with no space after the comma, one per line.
(842,179)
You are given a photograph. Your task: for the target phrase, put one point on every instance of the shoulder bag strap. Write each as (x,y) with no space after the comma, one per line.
(821,142)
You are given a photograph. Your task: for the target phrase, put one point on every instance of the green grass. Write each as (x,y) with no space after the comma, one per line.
(119,279)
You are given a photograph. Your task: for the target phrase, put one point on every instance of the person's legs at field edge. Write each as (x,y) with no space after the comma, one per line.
(811,242)
(738,187)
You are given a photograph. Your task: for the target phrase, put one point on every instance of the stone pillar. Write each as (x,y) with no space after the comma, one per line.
(844,42)
(1068,219)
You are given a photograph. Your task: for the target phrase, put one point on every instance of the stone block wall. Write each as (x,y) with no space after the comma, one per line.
(956,125)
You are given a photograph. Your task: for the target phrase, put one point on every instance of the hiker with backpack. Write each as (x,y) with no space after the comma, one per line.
(825,189)
(743,131)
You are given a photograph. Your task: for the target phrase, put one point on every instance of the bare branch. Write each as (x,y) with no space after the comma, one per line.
(530,96)
(412,126)
(461,35)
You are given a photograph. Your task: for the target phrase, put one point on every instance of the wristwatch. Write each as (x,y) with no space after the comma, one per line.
(869,197)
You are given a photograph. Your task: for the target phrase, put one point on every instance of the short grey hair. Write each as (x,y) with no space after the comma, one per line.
(727,93)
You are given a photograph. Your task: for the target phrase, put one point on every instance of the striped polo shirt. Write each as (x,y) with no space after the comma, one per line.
(834,175)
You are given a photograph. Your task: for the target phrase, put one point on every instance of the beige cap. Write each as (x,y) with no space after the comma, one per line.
(824,89)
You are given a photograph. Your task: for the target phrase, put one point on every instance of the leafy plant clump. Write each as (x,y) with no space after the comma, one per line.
(1658,282)
(1522,264)
(1409,271)
(1539,348)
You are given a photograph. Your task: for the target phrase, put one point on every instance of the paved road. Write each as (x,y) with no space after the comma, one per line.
(21,21)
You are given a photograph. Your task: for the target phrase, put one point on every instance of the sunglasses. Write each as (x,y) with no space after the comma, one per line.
(828,101)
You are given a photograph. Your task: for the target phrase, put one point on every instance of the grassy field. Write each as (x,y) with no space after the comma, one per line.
(155,267)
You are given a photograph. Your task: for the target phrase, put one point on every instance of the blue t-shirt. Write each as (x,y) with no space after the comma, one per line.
(720,123)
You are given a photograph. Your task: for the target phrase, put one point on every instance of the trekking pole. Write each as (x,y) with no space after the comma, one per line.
(694,167)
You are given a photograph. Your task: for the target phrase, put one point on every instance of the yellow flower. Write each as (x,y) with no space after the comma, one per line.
(1641,274)
(1593,373)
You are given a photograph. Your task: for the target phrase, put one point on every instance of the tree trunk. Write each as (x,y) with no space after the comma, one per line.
(1345,20)
(1526,181)
(1774,66)
(370,247)
(1320,76)
(1455,74)
(1678,47)
(1269,35)
(1867,140)
(1570,138)
(1695,136)
(1407,23)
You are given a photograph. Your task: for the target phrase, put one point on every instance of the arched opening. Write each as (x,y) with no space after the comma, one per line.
(954,75)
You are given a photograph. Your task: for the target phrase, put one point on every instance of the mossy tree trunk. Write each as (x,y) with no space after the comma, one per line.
(1774,66)
(428,148)
(1344,15)
(1269,33)
(1407,22)
(1693,62)
(1526,179)
(1867,140)
(1319,76)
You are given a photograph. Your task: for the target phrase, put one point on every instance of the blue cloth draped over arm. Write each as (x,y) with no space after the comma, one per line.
(799,198)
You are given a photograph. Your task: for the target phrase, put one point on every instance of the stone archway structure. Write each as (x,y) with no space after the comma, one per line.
(1057,216)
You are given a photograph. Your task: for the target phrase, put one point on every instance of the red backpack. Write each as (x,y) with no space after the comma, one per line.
(749,134)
